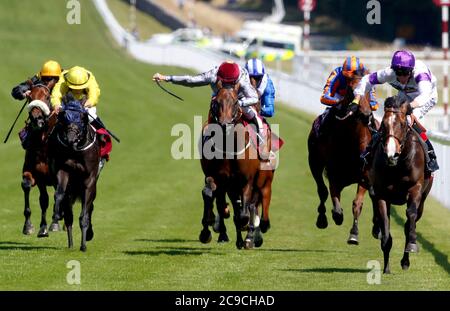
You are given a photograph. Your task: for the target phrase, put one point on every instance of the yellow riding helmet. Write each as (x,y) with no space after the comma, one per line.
(50,68)
(77,78)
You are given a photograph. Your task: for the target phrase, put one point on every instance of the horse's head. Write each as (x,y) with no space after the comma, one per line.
(73,121)
(42,91)
(225,109)
(38,112)
(364,103)
(395,128)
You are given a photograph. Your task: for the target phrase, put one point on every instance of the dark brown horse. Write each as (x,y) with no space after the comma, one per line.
(231,166)
(398,176)
(338,155)
(75,156)
(35,170)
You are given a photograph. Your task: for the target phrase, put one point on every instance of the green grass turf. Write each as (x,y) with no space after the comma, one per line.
(148,209)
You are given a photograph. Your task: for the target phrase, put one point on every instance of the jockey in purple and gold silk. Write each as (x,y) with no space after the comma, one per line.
(415,83)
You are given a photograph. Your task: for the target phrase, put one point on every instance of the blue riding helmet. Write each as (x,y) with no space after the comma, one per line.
(255,67)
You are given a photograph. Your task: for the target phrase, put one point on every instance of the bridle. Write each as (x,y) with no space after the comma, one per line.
(400,141)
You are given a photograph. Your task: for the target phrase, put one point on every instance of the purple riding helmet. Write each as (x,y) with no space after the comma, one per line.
(403,60)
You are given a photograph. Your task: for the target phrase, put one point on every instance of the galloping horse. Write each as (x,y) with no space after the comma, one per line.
(233,170)
(35,168)
(398,176)
(75,156)
(338,154)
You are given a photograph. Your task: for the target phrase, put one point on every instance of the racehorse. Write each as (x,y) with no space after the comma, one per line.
(234,170)
(35,170)
(75,156)
(398,176)
(338,154)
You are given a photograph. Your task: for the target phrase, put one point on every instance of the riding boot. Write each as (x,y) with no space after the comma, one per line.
(366,156)
(432,164)
(262,143)
(324,128)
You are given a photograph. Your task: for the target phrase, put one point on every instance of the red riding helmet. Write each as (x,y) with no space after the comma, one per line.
(228,72)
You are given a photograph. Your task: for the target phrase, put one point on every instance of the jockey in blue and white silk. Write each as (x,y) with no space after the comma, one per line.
(264,86)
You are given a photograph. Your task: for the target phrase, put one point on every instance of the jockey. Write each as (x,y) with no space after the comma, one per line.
(50,70)
(229,73)
(335,88)
(82,85)
(416,84)
(264,86)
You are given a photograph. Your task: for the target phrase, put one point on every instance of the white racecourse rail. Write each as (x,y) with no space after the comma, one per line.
(302,92)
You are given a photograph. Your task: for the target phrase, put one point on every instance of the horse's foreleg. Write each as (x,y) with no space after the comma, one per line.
(68,221)
(247,195)
(337,212)
(222,209)
(414,201)
(62,181)
(317,166)
(266,193)
(357,207)
(27,183)
(386,239)
(86,211)
(208,214)
(43,201)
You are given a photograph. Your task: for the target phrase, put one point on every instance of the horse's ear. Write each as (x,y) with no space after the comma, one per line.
(219,84)
(236,87)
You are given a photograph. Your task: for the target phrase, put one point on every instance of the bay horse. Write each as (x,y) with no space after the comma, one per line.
(35,171)
(338,155)
(234,170)
(75,157)
(398,176)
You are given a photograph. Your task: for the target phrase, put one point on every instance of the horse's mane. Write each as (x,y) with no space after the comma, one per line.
(393,102)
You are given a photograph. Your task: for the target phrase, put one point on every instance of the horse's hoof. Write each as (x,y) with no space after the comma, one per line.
(387,271)
(28,229)
(89,233)
(248,244)
(43,233)
(258,238)
(338,217)
(239,244)
(54,227)
(205,236)
(405,264)
(376,233)
(353,239)
(83,248)
(223,238)
(264,225)
(411,248)
(322,221)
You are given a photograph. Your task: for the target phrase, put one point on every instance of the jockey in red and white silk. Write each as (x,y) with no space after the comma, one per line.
(229,73)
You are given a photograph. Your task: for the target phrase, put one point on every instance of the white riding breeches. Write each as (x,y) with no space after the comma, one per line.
(249,113)
(92,113)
